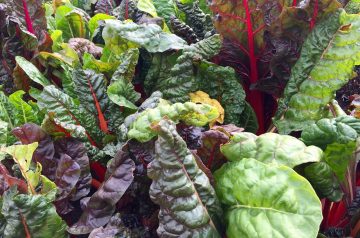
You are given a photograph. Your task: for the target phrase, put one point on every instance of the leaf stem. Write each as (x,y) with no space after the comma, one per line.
(28,21)
(255,97)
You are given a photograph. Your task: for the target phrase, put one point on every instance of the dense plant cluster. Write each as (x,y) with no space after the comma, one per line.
(179,118)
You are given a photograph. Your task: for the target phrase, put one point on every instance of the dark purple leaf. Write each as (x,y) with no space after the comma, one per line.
(7,181)
(44,153)
(190,134)
(77,151)
(101,205)
(67,176)
(209,152)
(105,6)
(115,228)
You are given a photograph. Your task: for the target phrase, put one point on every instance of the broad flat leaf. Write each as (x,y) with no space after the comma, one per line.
(93,22)
(270,148)
(151,36)
(101,204)
(23,112)
(30,216)
(194,209)
(316,76)
(190,113)
(147,6)
(31,71)
(278,201)
(71,22)
(322,178)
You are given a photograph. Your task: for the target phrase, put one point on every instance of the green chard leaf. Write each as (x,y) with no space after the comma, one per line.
(31,71)
(93,22)
(91,89)
(69,115)
(278,201)
(195,209)
(322,178)
(190,113)
(30,216)
(150,36)
(121,91)
(175,76)
(327,60)
(222,84)
(270,148)
(24,113)
(71,22)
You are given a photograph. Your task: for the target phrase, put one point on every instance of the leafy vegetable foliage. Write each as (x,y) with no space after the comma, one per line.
(195,209)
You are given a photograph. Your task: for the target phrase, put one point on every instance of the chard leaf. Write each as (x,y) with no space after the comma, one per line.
(190,113)
(322,178)
(101,204)
(26,215)
(211,140)
(150,36)
(71,22)
(93,22)
(105,7)
(196,19)
(248,119)
(176,177)
(290,199)
(121,91)
(175,76)
(69,115)
(22,155)
(327,131)
(44,153)
(222,84)
(91,89)
(31,14)
(147,6)
(166,9)
(67,175)
(338,156)
(31,71)
(270,148)
(23,112)
(327,60)
(7,113)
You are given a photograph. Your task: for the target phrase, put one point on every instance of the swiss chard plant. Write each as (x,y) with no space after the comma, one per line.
(179,118)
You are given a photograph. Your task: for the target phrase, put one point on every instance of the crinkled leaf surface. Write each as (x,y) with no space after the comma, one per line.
(175,75)
(150,36)
(190,113)
(322,178)
(101,204)
(278,202)
(30,216)
(270,148)
(188,204)
(326,63)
